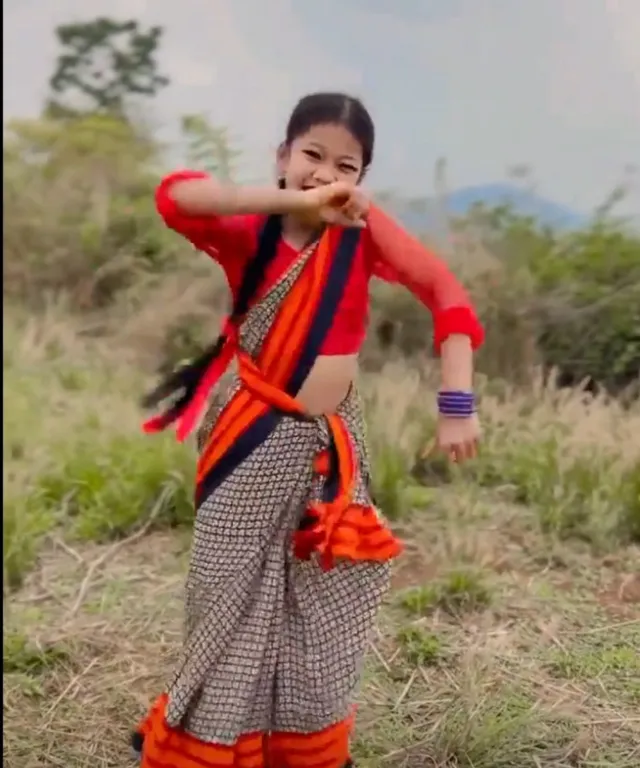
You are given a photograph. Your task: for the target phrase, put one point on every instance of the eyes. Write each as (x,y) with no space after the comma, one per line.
(343,167)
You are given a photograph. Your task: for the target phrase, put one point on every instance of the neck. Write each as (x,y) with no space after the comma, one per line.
(299,232)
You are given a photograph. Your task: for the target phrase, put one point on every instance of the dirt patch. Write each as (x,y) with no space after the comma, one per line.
(622,597)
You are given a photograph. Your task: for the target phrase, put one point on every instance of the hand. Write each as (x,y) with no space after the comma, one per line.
(339,203)
(458,438)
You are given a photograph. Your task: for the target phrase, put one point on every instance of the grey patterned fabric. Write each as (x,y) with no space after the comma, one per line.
(272,643)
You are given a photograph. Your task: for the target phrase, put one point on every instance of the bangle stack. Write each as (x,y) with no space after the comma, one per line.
(456,404)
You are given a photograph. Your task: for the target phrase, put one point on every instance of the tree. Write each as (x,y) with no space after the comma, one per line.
(104,63)
(209,147)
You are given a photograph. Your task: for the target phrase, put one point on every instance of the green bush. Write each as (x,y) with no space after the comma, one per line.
(570,302)
(589,306)
(88,183)
(106,495)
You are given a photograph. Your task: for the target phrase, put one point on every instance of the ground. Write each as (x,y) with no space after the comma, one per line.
(510,638)
(492,650)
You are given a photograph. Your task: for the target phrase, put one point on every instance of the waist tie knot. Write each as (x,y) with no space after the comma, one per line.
(336,526)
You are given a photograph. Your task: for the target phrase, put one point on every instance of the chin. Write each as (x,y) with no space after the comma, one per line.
(310,220)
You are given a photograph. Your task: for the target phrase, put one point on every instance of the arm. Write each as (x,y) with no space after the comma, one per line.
(400,257)
(200,195)
(456,368)
(221,221)
(230,240)
(192,200)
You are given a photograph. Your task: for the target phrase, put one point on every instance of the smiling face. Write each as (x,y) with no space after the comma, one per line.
(322,155)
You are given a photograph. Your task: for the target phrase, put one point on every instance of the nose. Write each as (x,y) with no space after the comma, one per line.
(323,174)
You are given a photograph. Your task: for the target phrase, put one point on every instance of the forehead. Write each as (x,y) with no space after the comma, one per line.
(333,138)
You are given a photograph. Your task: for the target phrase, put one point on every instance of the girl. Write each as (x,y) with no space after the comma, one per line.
(290,558)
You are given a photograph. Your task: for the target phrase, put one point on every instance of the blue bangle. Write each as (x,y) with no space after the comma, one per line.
(456,404)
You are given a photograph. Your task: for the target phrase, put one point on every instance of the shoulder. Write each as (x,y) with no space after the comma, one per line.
(204,229)
(372,256)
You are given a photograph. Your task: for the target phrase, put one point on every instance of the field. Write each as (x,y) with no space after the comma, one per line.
(510,637)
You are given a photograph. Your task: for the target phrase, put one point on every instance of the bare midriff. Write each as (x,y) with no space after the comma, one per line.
(328,383)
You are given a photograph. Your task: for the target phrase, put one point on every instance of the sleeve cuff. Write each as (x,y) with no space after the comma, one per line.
(165,204)
(457,320)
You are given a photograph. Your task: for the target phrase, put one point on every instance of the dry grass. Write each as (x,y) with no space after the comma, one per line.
(510,637)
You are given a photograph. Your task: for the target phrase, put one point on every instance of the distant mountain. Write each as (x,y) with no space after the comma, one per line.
(424,215)
(523,202)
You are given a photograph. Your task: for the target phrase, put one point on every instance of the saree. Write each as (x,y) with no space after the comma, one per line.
(290,558)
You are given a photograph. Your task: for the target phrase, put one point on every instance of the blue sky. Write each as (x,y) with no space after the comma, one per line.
(485,83)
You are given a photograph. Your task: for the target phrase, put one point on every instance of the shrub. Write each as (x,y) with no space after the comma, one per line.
(570,302)
(88,183)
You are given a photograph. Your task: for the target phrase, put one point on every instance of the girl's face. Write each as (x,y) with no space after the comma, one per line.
(323,155)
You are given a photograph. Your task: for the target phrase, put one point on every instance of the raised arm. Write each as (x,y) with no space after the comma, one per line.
(221,220)
(196,194)
(193,204)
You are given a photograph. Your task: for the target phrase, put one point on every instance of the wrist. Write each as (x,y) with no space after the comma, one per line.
(456,364)
(295,201)
(456,403)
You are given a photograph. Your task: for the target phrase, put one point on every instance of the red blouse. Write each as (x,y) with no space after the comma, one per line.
(385,251)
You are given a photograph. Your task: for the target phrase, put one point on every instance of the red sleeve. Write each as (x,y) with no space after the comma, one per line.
(230,240)
(397,257)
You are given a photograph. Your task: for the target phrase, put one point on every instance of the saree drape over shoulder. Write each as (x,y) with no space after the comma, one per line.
(290,558)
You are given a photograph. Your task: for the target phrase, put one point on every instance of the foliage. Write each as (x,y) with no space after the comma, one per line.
(75,458)
(589,324)
(209,147)
(103,64)
(509,637)
(518,572)
(568,301)
(87,182)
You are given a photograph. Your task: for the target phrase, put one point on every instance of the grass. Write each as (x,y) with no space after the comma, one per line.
(511,634)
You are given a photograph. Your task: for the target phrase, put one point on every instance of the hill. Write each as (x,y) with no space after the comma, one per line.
(422,215)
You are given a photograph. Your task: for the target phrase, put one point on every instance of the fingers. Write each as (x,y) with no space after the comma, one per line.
(341,205)
(352,209)
(339,218)
(453,455)
(349,214)
(345,221)
(338,194)
(458,453)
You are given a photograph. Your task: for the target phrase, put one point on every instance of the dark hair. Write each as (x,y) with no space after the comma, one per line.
(338,109)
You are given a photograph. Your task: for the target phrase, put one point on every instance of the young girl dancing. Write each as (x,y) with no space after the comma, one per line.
(290,558)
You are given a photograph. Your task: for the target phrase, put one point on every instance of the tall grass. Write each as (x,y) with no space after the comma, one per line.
(77,463)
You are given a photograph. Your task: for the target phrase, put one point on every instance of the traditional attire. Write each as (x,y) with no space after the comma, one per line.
(290,558)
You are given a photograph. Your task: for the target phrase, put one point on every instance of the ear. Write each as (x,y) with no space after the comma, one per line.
(282,159)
